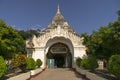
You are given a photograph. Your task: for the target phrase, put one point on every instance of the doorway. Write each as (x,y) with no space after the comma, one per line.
(61,55)
(59,61)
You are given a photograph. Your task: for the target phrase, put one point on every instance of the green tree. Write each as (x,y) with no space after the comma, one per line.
(3,67)
(105,42)
(113,65)
(114,37)
(38,62)
(19,60)
(30,64)
(84,63)
(78,61)
(118,13)
(10,41)
(89,63)
(28,34)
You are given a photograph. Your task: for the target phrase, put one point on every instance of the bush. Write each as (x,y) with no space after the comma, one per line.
(78,61)
(113,65)
(38,62)
(18,60)
(30,64)
(89,63)
(3,67)
(84,63)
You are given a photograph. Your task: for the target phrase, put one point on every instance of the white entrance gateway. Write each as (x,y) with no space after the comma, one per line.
(58,42)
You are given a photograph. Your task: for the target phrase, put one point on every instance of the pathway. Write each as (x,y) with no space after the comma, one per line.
(58,74)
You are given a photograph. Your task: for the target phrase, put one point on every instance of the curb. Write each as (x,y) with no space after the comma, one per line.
(32,76)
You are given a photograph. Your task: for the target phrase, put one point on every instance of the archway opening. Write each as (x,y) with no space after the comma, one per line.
(59,56)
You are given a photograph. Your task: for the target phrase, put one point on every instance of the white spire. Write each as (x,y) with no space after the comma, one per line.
(58,10)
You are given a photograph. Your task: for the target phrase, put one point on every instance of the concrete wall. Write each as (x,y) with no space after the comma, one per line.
(39,54)
(88,74)
(33,72)
(25,76)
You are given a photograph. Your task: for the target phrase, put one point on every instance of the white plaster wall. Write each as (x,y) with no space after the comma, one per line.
(75,51)
(39,54)
(79,52)
(83,53)
(59,39)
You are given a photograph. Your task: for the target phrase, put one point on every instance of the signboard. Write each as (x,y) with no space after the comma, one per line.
(56,50)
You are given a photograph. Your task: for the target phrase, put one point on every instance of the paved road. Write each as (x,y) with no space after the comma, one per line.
(58,74)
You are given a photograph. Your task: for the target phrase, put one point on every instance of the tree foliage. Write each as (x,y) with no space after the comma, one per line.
(38,62)
(10,41)
(3,67)
(104,42)
(78,61)
(28,34)
(84,63)
(18,60)
(30,64)
(113,65)
(89,63)
(118,12)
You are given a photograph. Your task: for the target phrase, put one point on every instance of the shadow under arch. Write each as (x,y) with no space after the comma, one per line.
(63,57)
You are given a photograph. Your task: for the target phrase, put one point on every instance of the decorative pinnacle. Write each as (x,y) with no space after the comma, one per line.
(58,10)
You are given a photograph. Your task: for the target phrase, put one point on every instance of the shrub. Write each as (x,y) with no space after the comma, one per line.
(30,64)
(113,65)
(38,62)
(3,67)
(18,60)
(78,61)
(89,63)
(84,63)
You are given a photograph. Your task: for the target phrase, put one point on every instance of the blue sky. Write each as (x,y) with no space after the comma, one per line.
(82,15)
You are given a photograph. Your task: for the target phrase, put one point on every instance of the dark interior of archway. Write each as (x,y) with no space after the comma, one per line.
(61,59)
